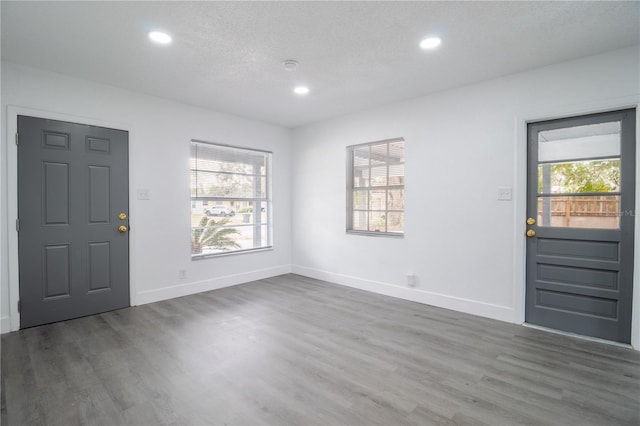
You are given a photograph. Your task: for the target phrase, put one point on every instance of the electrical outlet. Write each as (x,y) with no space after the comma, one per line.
(182,274)
(411,280)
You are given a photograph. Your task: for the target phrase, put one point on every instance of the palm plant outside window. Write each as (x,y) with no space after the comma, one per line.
(230,199)
(375,193)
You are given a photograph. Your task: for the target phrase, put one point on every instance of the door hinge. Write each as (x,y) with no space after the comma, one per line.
(16,138)
(17,225)
(18,306)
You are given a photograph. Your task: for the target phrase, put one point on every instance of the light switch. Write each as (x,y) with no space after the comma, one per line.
(144,194)
(504,193)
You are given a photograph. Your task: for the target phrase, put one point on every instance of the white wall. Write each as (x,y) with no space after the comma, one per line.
(160,131)
(465,246)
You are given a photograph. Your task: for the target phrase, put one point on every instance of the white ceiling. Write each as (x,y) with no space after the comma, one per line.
(227,56)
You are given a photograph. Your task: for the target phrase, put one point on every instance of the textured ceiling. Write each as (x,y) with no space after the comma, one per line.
(354,56)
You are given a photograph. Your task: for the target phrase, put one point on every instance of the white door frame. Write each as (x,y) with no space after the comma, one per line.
(520,212)
(12,198)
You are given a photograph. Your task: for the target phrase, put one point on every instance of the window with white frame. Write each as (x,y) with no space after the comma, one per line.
(375,188)
(230,199)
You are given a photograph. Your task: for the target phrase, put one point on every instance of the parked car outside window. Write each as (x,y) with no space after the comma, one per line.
(219,211)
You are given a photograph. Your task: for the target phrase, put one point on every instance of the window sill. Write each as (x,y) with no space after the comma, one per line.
(376,234)
(231,253)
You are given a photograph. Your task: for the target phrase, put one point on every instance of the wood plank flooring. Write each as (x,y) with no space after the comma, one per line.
(292,350)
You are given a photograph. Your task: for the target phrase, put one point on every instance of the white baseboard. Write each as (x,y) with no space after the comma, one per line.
(210,284)
(501,313)
(5,325)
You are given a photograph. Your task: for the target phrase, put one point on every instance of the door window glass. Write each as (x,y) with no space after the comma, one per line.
(579,142)
(580,212)
(579,176)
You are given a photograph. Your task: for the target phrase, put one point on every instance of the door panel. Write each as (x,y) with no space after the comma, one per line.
(592,250)
(57,280)
(593,278)
(72,185)
(99,266)
(56,193)
(99,190)
(581,198)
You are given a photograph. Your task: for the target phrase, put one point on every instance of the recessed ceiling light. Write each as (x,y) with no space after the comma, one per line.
(160,37)
(301,90)
(430,43)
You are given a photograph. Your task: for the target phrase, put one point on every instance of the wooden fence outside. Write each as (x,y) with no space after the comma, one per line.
(582,212)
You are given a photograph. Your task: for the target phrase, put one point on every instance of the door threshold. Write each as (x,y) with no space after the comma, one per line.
(579,336)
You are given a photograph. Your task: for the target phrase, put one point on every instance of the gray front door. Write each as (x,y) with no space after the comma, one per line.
(73,231)
(580,224)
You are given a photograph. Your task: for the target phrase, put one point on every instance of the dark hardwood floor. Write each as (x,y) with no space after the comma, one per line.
(296,351)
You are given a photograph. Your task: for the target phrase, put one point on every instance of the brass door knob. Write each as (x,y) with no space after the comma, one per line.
(531,221)
(531,233)
(122,228)
(122,216)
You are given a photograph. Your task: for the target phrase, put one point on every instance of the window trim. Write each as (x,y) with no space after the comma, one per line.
(267,200)
(349,190)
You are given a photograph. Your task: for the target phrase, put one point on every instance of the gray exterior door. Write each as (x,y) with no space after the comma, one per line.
(73,227)
(580,224)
